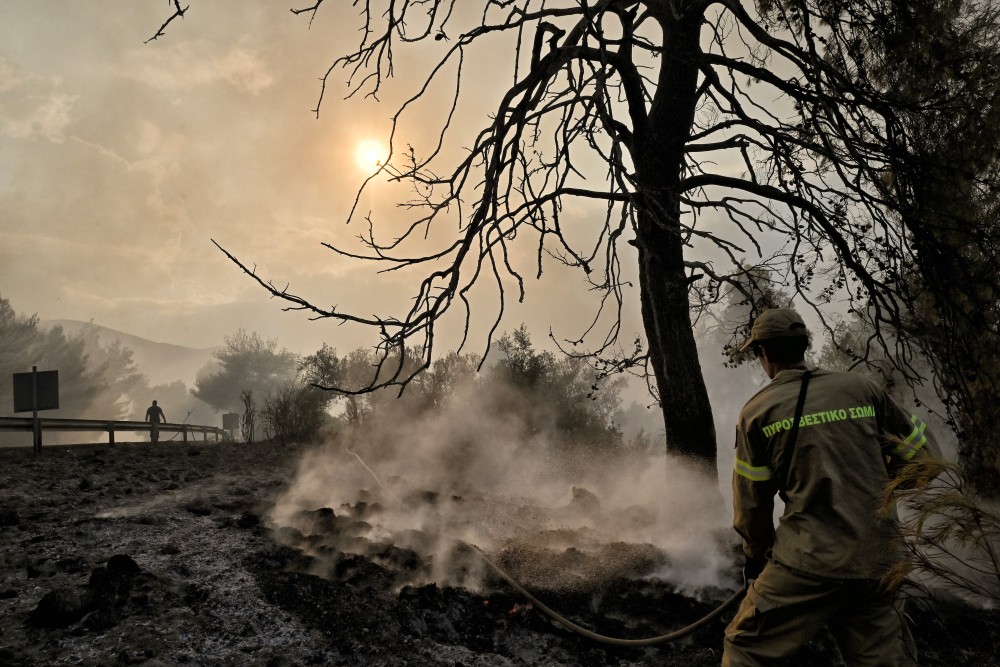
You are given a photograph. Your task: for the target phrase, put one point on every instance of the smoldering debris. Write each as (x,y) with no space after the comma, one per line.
(492,465)
(337,543)
(557,532)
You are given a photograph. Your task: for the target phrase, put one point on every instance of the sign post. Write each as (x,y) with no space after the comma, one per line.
(231,422)
(36,391)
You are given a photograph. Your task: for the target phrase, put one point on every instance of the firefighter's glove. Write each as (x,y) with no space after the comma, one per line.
(752,569)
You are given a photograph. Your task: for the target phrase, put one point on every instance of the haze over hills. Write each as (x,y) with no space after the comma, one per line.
(162,363)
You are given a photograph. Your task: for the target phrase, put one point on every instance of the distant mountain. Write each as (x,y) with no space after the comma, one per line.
(160,362)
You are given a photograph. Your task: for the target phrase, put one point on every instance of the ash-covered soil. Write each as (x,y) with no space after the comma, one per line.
(166,555)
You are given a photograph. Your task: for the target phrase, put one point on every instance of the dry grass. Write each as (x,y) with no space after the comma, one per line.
(953,535)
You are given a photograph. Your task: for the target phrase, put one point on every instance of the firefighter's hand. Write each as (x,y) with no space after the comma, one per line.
(752,569)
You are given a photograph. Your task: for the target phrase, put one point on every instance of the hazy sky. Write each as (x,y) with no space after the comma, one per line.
(120,161)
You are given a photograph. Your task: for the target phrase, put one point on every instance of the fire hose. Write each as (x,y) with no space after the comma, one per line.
(186,417)
(604,639)
(570,625)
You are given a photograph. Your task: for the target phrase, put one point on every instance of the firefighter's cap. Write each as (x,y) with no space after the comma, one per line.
(775,323)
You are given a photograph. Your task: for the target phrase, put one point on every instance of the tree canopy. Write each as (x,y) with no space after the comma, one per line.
(542,402)
(246,363)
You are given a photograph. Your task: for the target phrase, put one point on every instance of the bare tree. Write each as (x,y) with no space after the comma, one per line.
(248,422)
(715,138)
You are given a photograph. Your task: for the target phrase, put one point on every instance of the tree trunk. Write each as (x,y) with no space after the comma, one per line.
(687,413)
(659,160)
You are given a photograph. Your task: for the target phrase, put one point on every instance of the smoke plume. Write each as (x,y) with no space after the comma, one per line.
(412,488)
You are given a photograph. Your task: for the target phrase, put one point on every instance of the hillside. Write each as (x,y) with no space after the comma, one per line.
(160,362)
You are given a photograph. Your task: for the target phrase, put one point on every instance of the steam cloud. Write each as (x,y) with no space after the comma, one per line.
(553,516)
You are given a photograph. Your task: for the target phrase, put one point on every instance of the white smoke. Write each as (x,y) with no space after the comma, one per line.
(464,474)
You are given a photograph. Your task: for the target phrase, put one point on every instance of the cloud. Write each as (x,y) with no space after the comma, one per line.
(46,116)
(193,64)
(11,76)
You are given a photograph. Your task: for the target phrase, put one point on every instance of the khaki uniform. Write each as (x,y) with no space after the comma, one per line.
(830,547)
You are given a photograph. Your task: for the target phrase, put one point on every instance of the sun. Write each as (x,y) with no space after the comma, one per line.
(369,155)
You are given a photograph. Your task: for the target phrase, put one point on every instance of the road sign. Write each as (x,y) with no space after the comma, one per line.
(44,385)
(36,391)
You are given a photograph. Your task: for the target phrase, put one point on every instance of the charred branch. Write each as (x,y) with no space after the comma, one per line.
(178,14)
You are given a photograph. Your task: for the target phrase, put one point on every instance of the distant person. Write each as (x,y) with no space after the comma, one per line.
(827,443)
(154,415)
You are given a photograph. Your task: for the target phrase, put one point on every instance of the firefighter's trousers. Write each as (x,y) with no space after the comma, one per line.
(784,609)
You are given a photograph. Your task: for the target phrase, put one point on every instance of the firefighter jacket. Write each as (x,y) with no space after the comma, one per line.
(851,436)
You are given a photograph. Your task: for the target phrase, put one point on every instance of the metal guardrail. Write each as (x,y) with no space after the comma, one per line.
(107,426)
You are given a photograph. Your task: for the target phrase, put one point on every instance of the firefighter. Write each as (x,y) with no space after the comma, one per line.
(826,443)
(154,414)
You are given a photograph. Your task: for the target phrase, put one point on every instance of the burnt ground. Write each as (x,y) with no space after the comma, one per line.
(164,556)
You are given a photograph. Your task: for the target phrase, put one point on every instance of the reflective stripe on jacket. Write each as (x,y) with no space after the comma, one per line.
(850,435)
